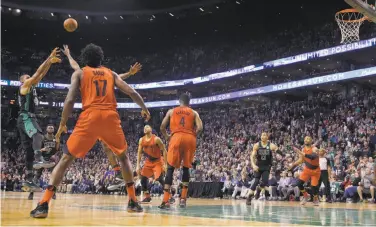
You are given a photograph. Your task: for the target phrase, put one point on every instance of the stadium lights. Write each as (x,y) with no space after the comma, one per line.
(122,17)
(171,14)
(153,16)
(217,7)
(18,11)
(237,2)
(202,10)
(87,17)
(52,14)
(10,9)
(69,15)
(105,17)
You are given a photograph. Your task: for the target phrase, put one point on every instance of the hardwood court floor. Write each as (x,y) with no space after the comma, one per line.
(101,210)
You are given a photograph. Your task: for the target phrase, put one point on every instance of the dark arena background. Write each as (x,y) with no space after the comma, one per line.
(288,68)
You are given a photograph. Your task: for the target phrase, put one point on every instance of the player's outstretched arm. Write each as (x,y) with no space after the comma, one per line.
(275,148)
(164,124)
(41,72)
(132,71)
(135,96)
(71,96)
(198,123)
(72,62)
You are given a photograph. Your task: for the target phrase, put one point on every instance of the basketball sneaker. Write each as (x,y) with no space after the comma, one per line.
(41,163)
(146,200)
(134,207)
(249,200)
(115,185)
(31,196)
(171,200)
(316,201)
(304,199)
(183,203)
(41,211)
(119,176)
(164,206)
(30,186)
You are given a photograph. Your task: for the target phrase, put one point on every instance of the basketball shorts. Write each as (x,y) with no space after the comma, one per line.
(181,148)
(313,174)
(154,168)
(28,126)
(263,175)
(93,125)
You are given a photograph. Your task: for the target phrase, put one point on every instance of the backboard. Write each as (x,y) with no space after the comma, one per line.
(365,7)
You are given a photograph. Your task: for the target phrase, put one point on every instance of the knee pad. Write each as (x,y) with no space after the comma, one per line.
(170,172)
(255,183)
(185,177)
(300,185)
(144,183)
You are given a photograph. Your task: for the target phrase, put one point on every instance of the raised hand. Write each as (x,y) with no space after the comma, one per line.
(135,68)
(55,56)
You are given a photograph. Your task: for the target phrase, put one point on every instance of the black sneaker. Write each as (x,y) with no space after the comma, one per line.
(249,200)
(119,176)
(146,200)
(134,207)
(171,200)
(30,186)
(31,196)
(54,196)
(164,206)
(41,211)
(183,203)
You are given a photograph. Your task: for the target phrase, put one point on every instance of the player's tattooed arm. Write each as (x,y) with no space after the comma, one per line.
(132,71)
(41,72)
(164,124)
(135,96)
(253,157)
(75,66)
(198,123)
(139,153)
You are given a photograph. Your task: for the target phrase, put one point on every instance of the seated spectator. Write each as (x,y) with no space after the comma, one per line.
(228,187)
(292,187)
(366,186)
(272,182)
(242,187)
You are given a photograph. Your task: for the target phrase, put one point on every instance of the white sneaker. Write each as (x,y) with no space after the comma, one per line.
(262,198)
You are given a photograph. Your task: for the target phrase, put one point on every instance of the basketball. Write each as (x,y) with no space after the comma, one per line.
(70,25)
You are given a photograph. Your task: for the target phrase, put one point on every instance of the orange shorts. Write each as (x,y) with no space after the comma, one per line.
(182,147)
(152,168)
(94,124)
(314,174)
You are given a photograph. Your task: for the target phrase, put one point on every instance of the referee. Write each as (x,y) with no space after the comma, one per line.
(325,173)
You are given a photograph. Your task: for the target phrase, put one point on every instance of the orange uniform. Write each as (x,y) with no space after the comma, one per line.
(99,119)
(182,146)
(311,169)
(154,161)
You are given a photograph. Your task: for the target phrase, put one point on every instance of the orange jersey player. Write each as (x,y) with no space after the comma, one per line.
(309,155)
(185,124)
(152,147)
(110,155)
(99,120)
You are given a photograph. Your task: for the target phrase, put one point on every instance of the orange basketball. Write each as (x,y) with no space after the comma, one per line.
(70,25)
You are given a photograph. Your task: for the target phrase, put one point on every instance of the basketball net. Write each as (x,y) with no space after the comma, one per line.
(349,21)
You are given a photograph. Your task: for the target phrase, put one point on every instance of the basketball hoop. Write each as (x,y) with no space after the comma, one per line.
(349,21)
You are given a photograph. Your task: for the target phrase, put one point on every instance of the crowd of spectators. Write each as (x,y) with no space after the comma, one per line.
(344,125)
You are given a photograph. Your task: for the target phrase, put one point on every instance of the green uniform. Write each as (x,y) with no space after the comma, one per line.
(27,123)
